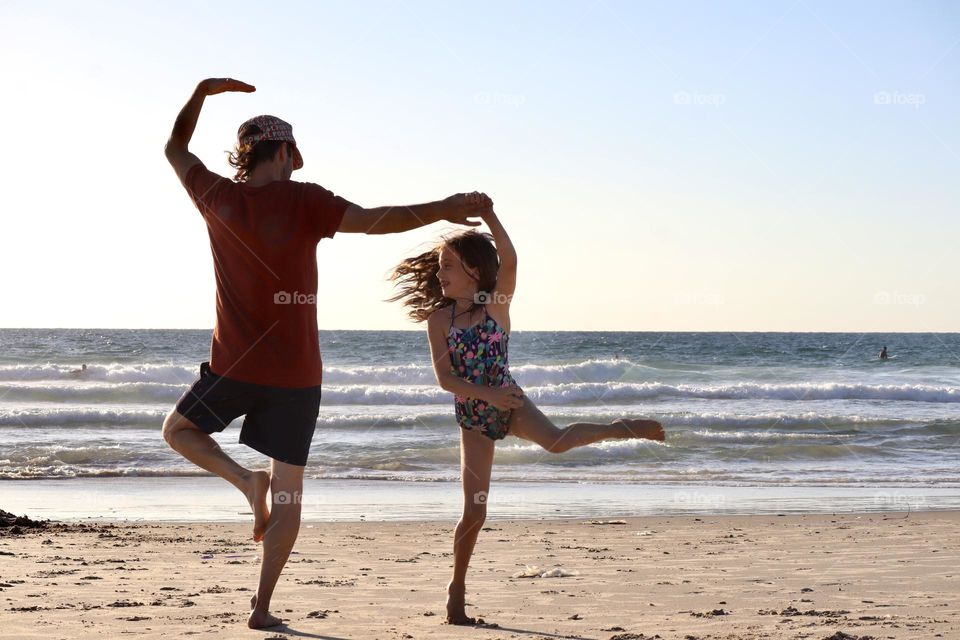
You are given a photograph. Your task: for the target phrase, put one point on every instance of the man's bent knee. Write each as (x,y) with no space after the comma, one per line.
(173,424)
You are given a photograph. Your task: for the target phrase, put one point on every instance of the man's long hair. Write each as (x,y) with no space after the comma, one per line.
(245,158)
(416,277)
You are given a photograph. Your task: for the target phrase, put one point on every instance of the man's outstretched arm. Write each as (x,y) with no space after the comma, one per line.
(395,219)
(176,149)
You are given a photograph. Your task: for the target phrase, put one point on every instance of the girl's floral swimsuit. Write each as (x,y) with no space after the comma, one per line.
(479,354)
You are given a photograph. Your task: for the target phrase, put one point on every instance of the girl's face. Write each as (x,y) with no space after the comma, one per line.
(456,281)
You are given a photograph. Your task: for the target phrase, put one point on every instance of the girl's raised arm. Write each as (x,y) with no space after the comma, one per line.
(507,275)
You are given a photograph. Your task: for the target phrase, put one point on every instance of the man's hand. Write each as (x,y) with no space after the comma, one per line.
(213,86)
(176,149)
(459,207)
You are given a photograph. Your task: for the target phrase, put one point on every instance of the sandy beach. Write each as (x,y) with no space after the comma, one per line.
(876,575)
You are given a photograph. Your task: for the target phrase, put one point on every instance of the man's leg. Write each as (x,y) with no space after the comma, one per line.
(286,488)
(188,440)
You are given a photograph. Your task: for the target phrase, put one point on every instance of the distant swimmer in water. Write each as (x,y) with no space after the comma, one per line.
(77,372)
(883,353)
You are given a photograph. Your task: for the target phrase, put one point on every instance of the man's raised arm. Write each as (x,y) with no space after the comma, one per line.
(176,149)
(395,219)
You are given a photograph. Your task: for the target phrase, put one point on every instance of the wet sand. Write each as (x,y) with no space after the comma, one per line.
(872,575)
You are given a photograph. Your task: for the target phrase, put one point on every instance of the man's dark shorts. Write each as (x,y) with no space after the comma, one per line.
(279,420)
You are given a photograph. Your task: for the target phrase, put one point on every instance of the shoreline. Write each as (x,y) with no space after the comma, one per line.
(208,498)
(242,520)
(420,331)
(874,575)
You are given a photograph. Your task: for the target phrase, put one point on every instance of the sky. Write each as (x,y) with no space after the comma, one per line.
(660,166)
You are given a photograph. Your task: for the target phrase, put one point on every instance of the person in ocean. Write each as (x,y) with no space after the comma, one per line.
(463,288)
(883,353)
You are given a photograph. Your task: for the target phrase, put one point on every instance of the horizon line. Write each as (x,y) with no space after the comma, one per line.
(512,331)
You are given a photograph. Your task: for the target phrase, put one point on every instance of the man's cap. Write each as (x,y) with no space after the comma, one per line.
(271,128)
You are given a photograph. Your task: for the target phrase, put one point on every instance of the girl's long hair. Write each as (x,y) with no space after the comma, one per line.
(416,277)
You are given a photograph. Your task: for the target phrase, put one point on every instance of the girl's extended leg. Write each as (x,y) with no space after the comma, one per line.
(476,462)
(529,423)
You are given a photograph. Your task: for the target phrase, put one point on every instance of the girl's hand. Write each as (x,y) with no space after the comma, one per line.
(485,202)
(505,397)
(459,207)
(481,199)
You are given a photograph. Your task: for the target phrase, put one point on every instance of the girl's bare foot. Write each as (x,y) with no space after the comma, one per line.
(261,619)
(258,485)
(648,429)
(456,601)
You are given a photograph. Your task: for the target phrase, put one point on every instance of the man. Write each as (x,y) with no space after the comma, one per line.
(265,356)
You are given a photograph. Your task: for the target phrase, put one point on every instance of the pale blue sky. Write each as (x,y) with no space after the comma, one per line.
(661,166)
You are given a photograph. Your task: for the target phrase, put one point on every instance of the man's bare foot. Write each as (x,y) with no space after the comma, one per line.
(261,619)
(648,429)
(456,601)
(258,486)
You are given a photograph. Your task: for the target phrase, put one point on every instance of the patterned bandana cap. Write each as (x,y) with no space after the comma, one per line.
(271,128)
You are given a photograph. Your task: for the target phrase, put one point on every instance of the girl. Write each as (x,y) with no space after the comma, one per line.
(463,288)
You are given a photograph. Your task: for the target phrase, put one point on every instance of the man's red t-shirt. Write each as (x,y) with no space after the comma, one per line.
(264,243)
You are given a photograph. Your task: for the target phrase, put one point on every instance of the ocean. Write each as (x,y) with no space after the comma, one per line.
(793,416)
